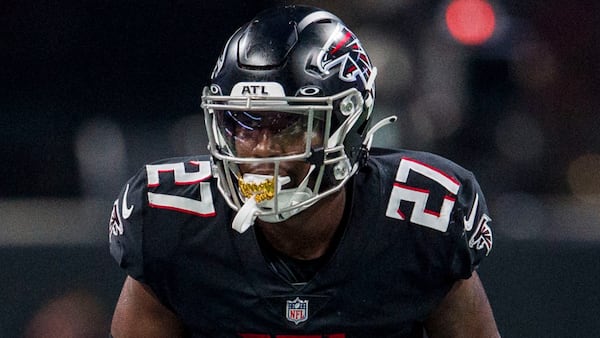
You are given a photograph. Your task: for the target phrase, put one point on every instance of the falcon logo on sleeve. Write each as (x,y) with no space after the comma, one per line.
(115,224)
(482,237)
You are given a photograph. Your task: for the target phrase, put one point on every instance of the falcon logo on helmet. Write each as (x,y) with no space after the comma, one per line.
(343,49)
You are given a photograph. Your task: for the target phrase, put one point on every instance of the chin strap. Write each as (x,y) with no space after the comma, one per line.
(245,216)
(248,213)
(260,189)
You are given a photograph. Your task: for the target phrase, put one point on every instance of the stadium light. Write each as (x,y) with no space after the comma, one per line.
(470,22)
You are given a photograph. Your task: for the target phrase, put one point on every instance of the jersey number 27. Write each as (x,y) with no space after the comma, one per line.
(420,215)
(202,206)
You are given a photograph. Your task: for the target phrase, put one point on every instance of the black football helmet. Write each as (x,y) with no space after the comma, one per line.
(301,74)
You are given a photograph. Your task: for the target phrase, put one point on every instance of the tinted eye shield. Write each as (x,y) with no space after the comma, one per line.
(229,117)
(314,107)
(250,121)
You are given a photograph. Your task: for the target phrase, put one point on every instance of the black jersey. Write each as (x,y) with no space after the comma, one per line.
(415,224)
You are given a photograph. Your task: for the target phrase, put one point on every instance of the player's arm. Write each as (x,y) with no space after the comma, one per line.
(140,314)
(464,312)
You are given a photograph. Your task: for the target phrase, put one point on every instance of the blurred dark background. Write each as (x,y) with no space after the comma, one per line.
(92,90)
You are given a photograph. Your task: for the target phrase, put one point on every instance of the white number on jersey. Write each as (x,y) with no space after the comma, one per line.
(437,220)
(202,206)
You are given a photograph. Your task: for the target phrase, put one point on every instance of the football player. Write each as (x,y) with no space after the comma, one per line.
(294,226)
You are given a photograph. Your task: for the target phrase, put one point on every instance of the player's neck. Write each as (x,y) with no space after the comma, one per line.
(309,234)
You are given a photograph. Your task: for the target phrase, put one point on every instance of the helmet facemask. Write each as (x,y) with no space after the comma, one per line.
(305,160)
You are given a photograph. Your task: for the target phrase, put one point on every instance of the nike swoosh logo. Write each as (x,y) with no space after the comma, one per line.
(469,221)
(126,211)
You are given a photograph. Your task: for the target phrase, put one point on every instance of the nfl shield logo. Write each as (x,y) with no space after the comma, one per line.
(297,310)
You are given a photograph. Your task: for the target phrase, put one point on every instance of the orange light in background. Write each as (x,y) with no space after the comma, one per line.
(470,22)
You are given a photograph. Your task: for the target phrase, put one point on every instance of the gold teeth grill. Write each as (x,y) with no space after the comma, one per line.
(262,191)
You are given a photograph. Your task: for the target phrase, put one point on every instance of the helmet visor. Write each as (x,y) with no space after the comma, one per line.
(259,134)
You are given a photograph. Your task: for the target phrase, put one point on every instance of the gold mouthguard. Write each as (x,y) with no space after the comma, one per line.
(262,191)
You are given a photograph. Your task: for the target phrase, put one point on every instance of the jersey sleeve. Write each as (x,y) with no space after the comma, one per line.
(445,202)
(473,223)
(153,212)
(126,227)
